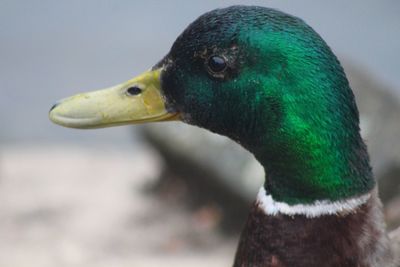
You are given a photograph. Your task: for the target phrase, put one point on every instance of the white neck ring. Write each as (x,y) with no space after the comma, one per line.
(316,209)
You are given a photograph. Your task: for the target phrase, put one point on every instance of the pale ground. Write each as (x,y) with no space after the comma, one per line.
(71,206)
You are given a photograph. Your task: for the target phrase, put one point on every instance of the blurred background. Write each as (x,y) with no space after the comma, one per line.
(145,196)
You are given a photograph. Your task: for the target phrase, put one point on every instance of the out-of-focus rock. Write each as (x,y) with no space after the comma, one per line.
(214,170)
(219,166)
(236,167)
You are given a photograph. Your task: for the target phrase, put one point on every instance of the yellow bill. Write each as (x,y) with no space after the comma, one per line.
(138,100)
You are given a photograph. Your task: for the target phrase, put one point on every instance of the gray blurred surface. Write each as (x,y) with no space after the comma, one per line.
(52,49)
(74,206)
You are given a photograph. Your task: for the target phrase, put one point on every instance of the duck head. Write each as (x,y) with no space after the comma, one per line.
(260,77)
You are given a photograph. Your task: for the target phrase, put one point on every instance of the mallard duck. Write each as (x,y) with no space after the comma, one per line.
(268,81)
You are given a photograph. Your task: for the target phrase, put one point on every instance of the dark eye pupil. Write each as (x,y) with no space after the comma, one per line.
(134,90)
(217,64)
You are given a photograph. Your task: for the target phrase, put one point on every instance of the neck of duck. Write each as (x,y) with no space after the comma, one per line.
(307,167)
(308,139)
(311,149)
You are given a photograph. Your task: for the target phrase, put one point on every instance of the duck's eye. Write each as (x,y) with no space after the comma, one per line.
(216,64)
(134,90)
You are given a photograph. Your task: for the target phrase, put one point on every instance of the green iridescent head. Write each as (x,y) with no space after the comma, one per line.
(268,81)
